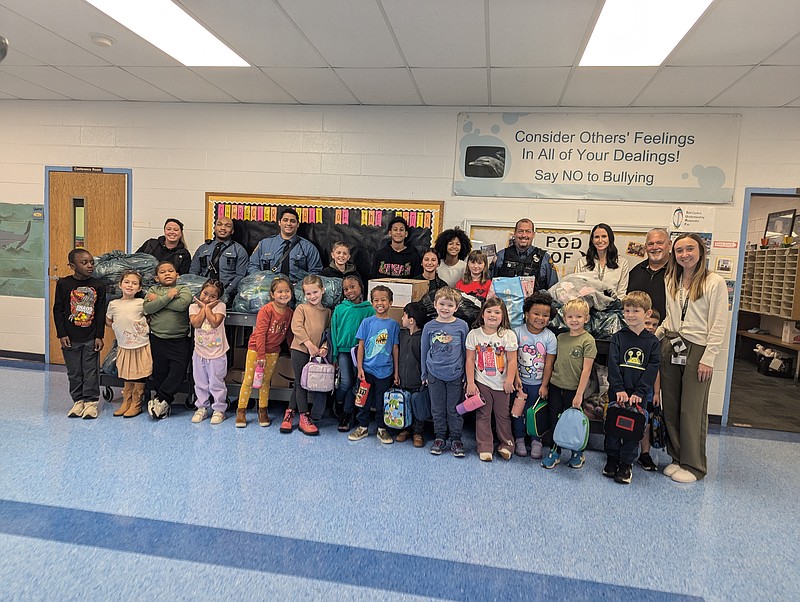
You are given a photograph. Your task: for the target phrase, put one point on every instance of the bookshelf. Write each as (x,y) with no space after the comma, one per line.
(769,283)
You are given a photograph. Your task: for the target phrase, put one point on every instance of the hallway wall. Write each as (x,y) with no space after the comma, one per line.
(178,152)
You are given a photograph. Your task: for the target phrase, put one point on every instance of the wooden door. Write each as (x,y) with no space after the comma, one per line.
(87,210)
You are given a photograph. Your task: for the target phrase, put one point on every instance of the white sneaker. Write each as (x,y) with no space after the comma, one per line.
(200,415)
(151,405)
(683,476)
(160,409)
(90,410)
(77,410)
(217,417)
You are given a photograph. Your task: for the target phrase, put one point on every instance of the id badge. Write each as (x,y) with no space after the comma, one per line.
(678,346)
(679,360)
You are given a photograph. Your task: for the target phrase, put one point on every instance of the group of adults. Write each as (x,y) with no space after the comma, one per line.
(692,301)
(224,259)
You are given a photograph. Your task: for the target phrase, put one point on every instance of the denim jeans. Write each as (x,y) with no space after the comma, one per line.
(445,396)
(345,392)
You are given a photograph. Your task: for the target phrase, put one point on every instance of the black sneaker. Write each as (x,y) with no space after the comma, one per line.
(624,474)
(646,462)
(438,447)
(610,469)
(345,423)
(457,448)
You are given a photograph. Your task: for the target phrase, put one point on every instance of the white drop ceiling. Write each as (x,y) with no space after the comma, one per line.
(477,53)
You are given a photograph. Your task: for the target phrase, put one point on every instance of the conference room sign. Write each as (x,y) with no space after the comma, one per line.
(628,157)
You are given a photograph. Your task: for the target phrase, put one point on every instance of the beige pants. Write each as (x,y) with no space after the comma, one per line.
(270,359)
(685,402)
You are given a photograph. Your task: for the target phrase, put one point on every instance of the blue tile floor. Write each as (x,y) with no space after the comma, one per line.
(131,509)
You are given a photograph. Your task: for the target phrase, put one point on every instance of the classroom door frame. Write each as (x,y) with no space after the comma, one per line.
(128,233)
(748,194)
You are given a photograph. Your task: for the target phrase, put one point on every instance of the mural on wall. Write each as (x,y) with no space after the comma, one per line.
(21,250)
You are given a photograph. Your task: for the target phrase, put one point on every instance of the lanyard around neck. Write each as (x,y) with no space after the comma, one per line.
(684,302)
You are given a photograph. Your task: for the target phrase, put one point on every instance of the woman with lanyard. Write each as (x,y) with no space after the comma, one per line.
(603,260)
(691,336)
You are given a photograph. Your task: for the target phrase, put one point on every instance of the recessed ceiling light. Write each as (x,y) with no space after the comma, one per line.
(640,33)
(102,40)
(170,29)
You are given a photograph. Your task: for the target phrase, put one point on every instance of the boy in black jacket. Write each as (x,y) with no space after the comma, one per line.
(633,360)
(411,371)
(79,312)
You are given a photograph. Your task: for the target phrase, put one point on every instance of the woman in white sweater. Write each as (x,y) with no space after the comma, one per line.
(603,260)
(692,334)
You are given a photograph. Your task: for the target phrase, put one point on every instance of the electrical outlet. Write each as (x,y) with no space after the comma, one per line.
(581,216)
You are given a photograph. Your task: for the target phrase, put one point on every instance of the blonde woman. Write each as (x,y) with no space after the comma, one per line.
(691,336)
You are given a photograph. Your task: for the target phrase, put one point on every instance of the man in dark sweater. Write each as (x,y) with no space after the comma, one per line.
(79,313)
(648,276)
(633,359)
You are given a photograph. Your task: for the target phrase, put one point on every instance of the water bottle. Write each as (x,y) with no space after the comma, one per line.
(258,378)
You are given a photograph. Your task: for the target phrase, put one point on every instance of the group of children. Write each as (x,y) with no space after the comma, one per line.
(441,360)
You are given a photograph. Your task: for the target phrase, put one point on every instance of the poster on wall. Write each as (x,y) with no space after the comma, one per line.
(21,250)
(649,157)
(566,244)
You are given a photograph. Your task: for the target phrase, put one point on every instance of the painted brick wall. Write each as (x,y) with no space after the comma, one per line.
(178,152)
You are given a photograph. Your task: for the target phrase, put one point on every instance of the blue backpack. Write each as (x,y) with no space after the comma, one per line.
(397,408)
(572,430)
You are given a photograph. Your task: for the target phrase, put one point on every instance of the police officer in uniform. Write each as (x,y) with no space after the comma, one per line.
(523,259)
(221,258)
(286,253)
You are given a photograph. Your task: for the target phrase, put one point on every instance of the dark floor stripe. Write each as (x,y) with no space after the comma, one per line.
(305,559)
(751,433)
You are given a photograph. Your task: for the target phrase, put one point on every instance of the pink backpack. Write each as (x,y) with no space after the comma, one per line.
(318,375)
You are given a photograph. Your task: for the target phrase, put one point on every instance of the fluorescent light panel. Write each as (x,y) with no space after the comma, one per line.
(640,33)
(166,26)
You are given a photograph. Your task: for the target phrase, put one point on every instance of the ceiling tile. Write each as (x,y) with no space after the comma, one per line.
(20,88)
(788,55)
(688,86)
(66,84)
(453,87)
(533,87)
(537,33)
(246,84)
(41,44)
(348,34)
(120,82)
(76,20)
(738,32)
(258,30)
(181,82)
(762,87)
(606,86)
(381,86)
(312,86)
(15,58)
(444,33)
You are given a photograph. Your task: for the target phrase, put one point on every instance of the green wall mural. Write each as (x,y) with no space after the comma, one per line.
(21,250)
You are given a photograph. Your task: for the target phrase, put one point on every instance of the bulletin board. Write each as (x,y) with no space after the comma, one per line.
(361,223)
(566,243)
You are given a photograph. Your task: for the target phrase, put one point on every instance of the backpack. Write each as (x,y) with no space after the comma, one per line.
(572,430)
(397,408)
(625,422)
(537,419)
(318,375)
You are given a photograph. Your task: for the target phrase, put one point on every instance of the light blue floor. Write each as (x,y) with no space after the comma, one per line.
(130,509)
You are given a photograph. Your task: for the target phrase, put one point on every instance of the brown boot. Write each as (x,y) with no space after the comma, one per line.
(263,417)
(241,418)
(136,401)
(127,392)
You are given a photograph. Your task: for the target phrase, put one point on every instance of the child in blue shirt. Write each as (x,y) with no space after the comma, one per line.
(443,363)
(536,354)
(378,339)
